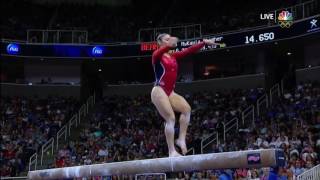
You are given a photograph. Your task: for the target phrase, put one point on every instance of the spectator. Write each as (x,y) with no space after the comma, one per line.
(297,168)
(26,124)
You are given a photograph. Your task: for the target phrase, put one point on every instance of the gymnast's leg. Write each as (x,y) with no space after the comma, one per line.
(179,104)
(161,101)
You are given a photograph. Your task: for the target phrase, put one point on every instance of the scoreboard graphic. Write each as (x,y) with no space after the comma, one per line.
(253,36)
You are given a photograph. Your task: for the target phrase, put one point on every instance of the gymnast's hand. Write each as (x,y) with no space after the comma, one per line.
(210,42)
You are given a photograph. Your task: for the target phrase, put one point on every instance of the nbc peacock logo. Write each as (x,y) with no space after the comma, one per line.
(285,19)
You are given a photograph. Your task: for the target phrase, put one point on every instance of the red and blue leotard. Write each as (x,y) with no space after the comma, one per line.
(166,68)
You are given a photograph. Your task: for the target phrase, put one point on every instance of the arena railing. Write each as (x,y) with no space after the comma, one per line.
(274,90)
(248,116)
(50,36)
(212,138)
(61,132)
(233,124)
(189,31)
(81,113)
(74,121)
(266,100)
(282,86)
(45,149)
(263,100)
(33,160)
(61,136)
(191,151)
(311,174)
(247,119)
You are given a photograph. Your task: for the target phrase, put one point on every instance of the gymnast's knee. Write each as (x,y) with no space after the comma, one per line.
(186,110)
(170,119)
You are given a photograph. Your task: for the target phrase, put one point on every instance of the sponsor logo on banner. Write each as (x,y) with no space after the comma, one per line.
(254,158)
(149,46)
(97,51)
(313,25)
(13,49)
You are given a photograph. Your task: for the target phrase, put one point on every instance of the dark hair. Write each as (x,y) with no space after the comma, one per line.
(160,36)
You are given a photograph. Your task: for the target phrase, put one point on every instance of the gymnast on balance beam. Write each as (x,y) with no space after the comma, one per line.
(165,67)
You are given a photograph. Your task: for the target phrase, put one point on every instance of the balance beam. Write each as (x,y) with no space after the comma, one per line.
(225,160)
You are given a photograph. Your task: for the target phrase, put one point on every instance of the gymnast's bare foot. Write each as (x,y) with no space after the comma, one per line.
(174,154)
(182,145)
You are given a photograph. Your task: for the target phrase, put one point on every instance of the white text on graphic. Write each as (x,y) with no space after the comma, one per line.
(268,16)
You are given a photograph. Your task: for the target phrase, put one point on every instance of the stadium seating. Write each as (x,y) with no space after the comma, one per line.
(26,124)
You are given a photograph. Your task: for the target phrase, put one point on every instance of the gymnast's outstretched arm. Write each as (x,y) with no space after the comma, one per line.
(193,49)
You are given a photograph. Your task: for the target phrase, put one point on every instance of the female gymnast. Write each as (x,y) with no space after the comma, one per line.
(163,96)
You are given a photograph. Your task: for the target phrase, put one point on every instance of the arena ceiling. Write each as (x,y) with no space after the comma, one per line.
(103,2)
